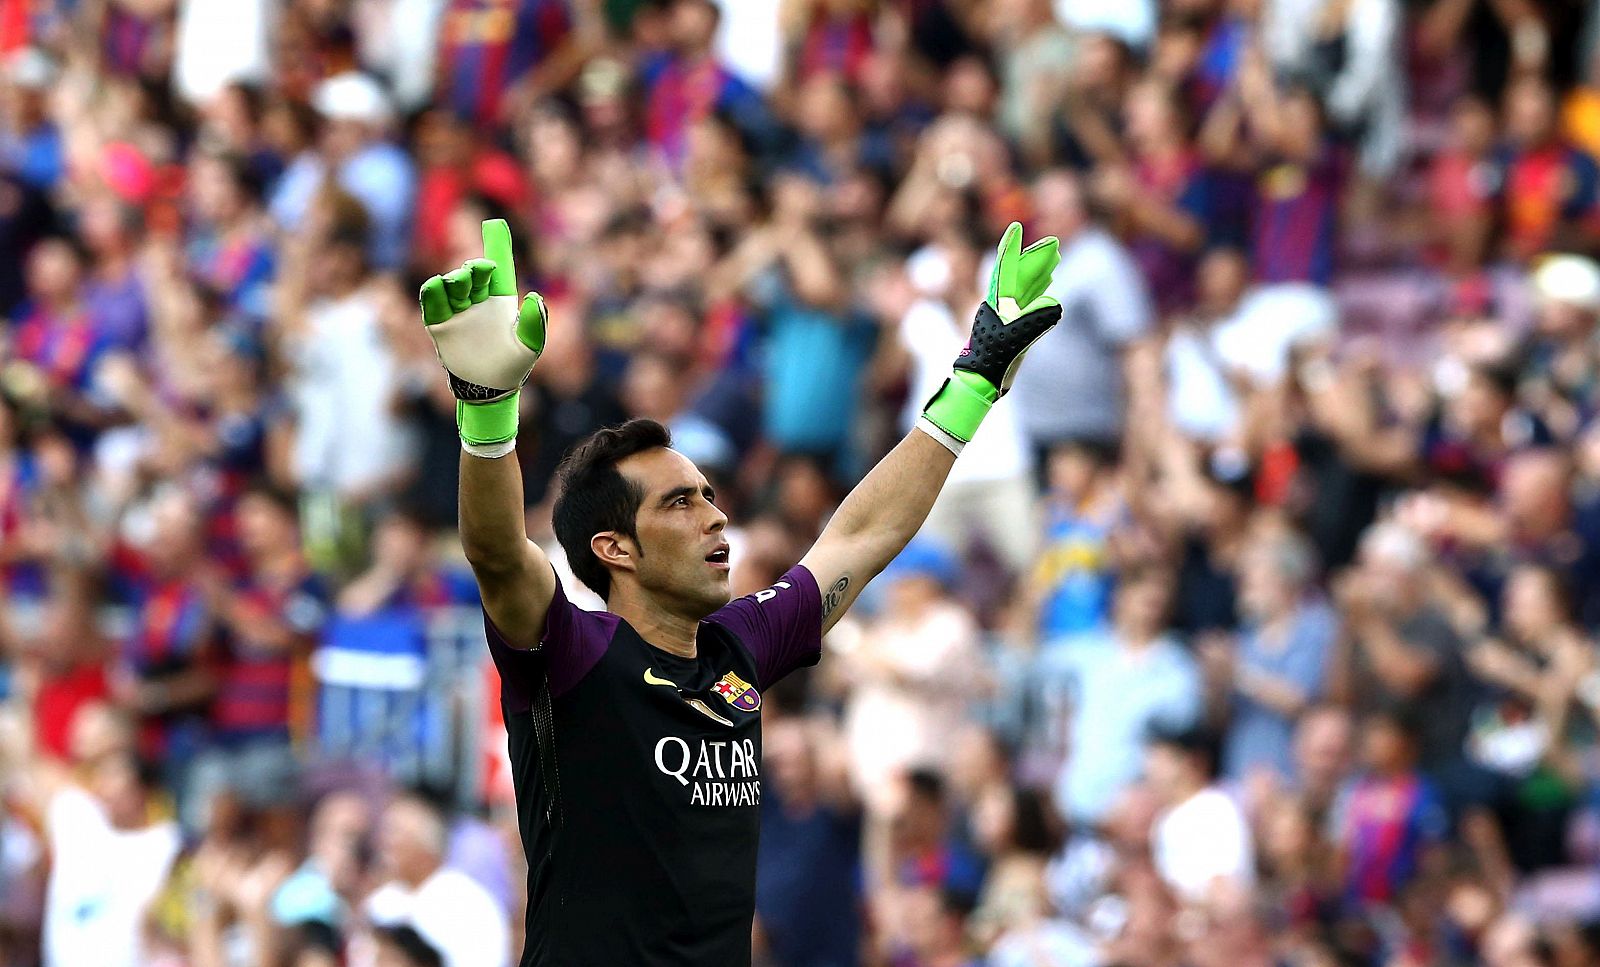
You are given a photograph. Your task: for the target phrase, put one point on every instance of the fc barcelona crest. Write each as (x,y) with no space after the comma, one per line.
(738,693)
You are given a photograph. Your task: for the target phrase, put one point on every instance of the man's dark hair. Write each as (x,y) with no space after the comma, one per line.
(1103,451)
(957,902)
(417,951)
(1197,743)
(246,179)
(1398,715)
(281,498)
(926,784)
(1033,829)
(1502,375)
(315,936)
(596,497)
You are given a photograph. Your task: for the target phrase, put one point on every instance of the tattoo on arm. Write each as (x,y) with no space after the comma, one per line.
(835,596)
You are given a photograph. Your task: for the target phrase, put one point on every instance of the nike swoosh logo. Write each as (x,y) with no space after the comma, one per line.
(651,679)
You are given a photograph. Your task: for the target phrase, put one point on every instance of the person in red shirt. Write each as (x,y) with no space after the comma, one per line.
(1549,187)
(455,163)
(1462,183)
(68,658)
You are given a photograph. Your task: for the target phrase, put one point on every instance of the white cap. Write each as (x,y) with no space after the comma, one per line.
(351,96)
(1570,279)
(31,68)
(1396,544)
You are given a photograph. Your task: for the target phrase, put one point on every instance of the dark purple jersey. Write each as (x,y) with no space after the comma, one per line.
(638,777)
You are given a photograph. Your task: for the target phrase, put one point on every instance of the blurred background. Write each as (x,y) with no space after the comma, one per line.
(1256,628)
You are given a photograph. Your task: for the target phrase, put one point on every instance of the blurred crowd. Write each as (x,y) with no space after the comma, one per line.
(1255,628)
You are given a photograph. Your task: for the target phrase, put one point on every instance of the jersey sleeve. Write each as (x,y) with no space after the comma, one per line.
(573,642)
(781,626)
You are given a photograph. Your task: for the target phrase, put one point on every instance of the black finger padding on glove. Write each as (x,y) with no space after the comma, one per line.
(995,345)
(470,392)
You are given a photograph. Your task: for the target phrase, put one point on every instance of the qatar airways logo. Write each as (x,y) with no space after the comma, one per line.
(722,773)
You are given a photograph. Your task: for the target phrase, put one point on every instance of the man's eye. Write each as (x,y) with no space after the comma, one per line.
(682,500)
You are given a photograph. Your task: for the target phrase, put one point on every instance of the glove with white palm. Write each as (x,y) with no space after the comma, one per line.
(486,344)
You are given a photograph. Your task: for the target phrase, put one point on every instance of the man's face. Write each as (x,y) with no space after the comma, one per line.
(403,842)
(211,191)
(53,271)
(694,25)
(680,532)
(1223,277)
(1262,590)
(116,785)
(1533,494)
(1383,745)
(1163,771)
(1141,605)
(1058,205)
(1529,113)
(1322,747)
(401,545)
(263,527)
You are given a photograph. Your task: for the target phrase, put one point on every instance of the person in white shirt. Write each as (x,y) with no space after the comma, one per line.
(108,860)
(1201,842)
(446,907)
(348,441)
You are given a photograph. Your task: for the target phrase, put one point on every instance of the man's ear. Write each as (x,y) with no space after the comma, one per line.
(615,550)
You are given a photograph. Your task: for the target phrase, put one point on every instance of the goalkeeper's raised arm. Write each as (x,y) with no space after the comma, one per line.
(488,347)
(888,507)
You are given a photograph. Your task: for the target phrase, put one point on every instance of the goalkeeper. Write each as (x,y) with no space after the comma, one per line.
(635,733)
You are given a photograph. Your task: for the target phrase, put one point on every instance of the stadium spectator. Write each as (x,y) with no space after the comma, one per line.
(1071,581)
(807,891)
(1280,665)
(354,110)
(1119,682)
(1400,647)
(1200,842)
(1393,820)
(169,663)
(269,621)
(445,907)
(108,860)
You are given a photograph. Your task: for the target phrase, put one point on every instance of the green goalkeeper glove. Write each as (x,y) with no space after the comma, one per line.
(487,346)
(1010,319)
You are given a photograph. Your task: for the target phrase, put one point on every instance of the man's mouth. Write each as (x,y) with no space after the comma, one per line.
(719,557)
